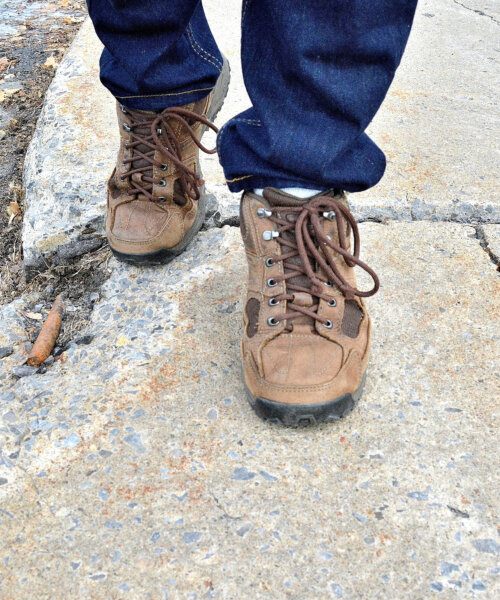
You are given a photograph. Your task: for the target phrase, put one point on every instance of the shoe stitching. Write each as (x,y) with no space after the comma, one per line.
(255,234)
(309,345)
(129,219)
(192,41)
(168,221)
(307,388)
(150,216)
(288,360)
(209,89)
(239,178)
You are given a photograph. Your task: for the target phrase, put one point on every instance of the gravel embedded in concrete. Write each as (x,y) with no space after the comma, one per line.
(134,464)
(136,461)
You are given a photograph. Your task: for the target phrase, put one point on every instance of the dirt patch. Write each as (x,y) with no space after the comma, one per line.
(34,36)
(79,283)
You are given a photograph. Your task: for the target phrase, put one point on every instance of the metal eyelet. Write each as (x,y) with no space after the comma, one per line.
(162,199)
(158,131)
(272,282)
(164,167)
(332,302)
(123,179)
(267,236)
(162,183)
(269,262)
(330,215)
(273,302)
(127,127)
(272,322)
(328,324)
(263,213)
(328,283)
(123,109)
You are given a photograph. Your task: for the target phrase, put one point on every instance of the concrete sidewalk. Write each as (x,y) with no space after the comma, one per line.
(134,466)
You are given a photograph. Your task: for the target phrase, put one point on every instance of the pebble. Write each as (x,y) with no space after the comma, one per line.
(6,351)
(242,474)
(190,537)
(488,546)
(24,371)
(84,339)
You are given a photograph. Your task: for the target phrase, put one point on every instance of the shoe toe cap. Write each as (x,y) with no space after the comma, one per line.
(138,221)
(295,360)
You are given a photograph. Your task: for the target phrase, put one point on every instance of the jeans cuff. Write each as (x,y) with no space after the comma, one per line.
(167,100)
(250,182)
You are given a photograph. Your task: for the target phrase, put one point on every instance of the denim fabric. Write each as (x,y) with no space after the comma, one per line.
(316,72)
(157,53)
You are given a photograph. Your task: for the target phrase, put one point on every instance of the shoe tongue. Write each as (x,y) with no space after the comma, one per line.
(277,198)
(144,130)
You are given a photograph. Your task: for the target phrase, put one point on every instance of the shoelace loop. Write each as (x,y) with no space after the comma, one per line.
(309,242)
(158,135)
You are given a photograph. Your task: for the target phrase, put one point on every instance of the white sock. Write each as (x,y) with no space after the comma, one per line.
(298,192)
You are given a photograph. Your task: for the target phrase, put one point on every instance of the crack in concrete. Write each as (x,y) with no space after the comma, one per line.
(233,221)
(477,11)
(480,235)
(221,507)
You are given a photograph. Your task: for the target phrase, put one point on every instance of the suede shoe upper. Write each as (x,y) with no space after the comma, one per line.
(154,191)
(307,330)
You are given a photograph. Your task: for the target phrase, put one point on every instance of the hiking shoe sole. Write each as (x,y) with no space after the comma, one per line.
(299,415)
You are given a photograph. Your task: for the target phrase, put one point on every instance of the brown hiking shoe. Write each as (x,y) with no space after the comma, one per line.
(156,196)
(307,331)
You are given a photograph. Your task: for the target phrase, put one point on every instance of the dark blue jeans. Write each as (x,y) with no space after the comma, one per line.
(315,70)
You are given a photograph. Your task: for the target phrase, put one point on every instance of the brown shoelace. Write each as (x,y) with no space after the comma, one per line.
(157,135)
(309,242)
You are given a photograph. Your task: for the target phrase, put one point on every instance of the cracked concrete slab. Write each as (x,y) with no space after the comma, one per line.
(437,126)
(134,464)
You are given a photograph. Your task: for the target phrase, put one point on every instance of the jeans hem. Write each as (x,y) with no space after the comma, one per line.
(166,100)
(250,182)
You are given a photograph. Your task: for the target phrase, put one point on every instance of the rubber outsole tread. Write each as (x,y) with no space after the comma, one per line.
(303,415)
